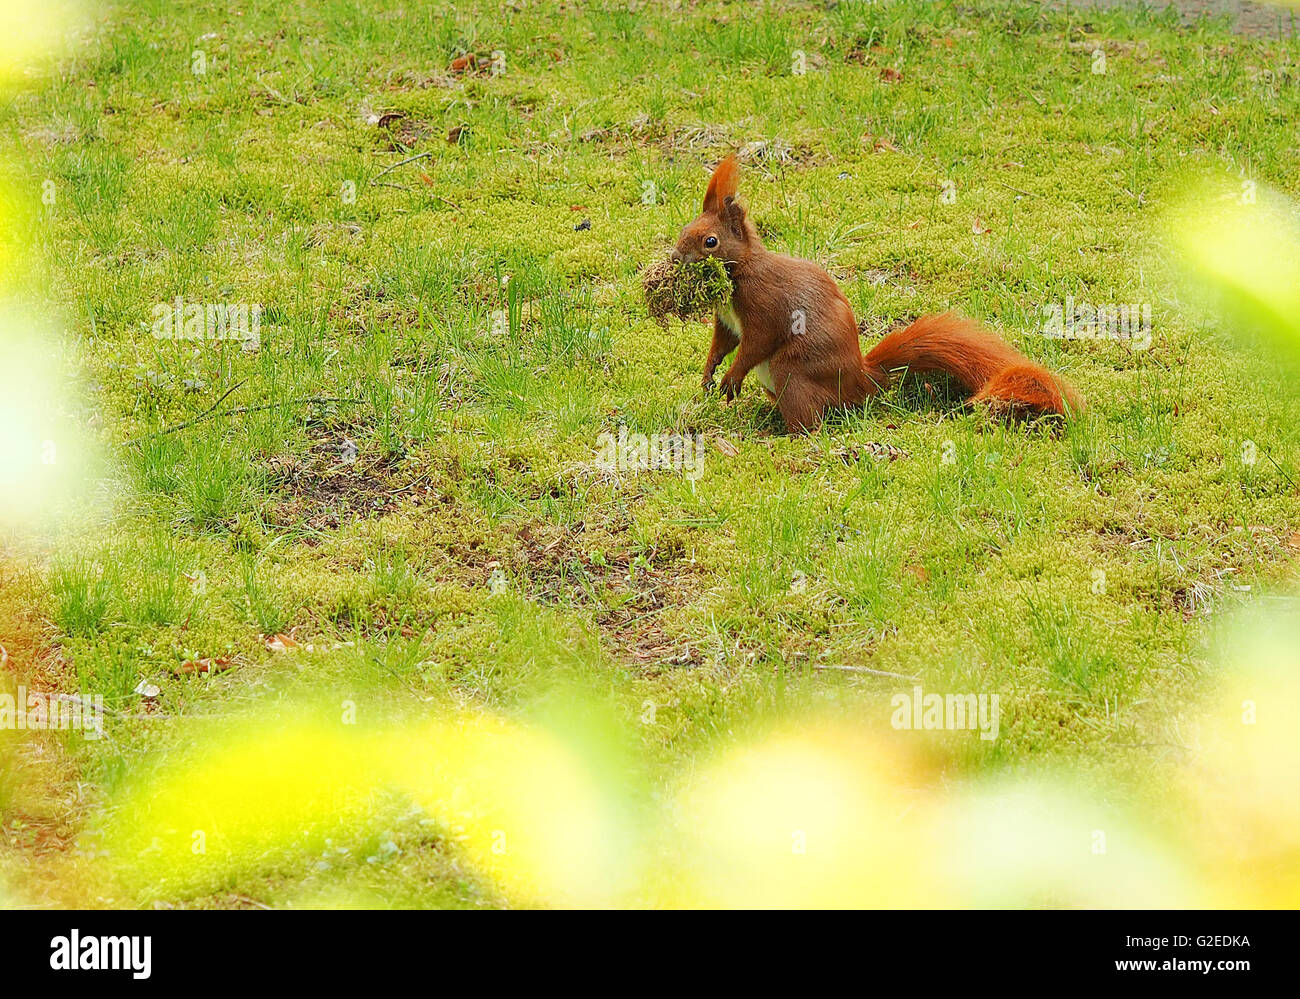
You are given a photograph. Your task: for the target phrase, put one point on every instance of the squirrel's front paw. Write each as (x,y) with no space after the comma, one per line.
(730,388)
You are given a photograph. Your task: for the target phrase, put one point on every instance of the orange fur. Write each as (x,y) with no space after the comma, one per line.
(989,367)
(722,184)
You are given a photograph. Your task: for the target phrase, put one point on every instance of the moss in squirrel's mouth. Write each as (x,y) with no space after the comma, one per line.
(686,290)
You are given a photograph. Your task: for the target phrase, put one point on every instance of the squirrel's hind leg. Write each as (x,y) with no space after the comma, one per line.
(802,401)
(805,392)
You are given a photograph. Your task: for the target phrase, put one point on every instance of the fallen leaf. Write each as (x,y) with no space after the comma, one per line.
(978,227)
(852,452)
(726,447)
(204,665)
(281,643)
(887,451)
(891,75)
(147,690)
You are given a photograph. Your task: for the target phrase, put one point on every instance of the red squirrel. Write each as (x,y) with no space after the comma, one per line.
(796,331)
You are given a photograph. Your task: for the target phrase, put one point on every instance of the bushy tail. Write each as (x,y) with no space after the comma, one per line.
(992,370)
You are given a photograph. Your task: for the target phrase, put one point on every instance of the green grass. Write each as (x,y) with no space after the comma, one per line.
(440,355)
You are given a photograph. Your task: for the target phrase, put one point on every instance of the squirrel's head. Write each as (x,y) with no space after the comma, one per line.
(722,230)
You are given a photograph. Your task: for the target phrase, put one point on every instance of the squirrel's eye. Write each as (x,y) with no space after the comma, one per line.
(710,242)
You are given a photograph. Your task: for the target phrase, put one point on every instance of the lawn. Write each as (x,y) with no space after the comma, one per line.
(392,500)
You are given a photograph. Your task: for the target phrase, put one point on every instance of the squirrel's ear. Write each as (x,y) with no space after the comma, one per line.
(722,185)
(734,216)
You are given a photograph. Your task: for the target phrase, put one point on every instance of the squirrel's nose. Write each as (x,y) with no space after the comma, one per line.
(676,256)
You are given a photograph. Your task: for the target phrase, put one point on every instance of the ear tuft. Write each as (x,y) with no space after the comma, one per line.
(722,185)
(734,215)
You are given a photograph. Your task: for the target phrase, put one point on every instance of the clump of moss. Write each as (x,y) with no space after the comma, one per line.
(686,290)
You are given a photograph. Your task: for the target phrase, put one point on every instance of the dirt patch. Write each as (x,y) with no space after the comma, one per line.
(27,649)
(627,593)
(398,132)
(331,485)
